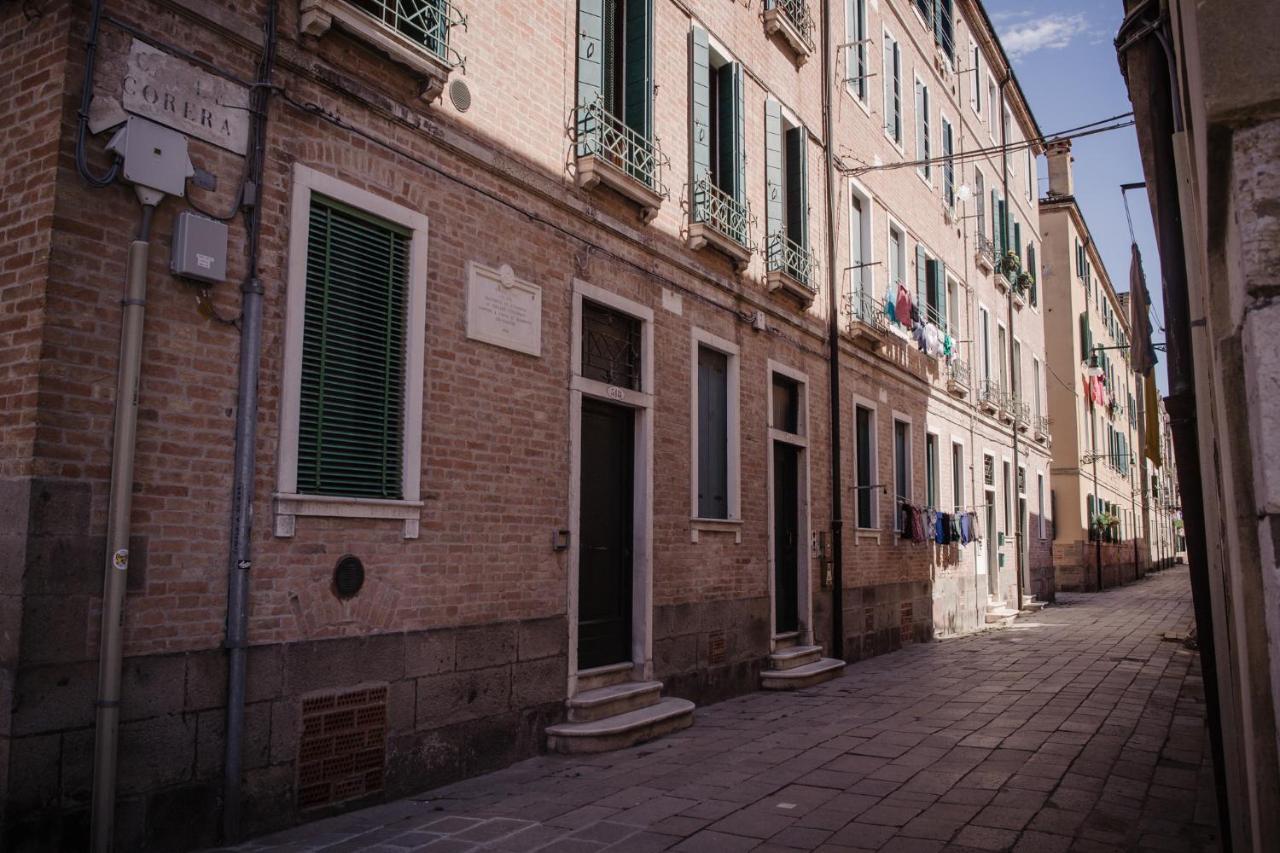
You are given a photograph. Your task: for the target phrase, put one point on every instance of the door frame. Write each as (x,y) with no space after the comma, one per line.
(804,580)
(642,403)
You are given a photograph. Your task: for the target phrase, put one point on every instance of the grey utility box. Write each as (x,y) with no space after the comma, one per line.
(199,247)
(154,156)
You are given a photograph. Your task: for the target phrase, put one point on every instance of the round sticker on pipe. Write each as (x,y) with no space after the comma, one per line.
(120,559)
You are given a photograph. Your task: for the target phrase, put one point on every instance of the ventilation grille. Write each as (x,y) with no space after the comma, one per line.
(460,96)
(716,647)
(342,749)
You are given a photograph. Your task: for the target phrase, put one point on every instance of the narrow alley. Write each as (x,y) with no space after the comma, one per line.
(1081,728)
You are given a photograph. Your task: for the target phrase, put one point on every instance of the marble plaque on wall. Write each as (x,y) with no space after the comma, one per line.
(503,310)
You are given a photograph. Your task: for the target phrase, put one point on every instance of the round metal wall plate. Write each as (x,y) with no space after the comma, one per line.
(460,96)
(348,577)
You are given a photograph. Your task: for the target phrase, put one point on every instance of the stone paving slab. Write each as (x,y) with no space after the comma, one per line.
(1076,729)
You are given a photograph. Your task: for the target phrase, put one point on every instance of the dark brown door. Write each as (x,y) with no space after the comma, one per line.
(786,536)
(605,534)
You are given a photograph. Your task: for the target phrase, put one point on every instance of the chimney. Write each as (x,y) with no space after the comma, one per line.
(1059,156)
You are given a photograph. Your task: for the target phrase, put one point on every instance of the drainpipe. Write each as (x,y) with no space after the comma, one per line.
(1013,364)
(833,344)
(241,554)
(119,505)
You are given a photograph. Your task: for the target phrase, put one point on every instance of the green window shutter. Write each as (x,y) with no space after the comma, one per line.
(940,293)
(773,164)
(1084,335)
(590,51)
(800,191)
(948,168)
(1017,237)
(995,220)
(739,126)
(1034,271)
(351,410)
(700,101)
(638,96)
(921,284)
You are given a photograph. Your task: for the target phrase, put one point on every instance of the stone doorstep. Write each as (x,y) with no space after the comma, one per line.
(802,676)
(623,730)
(1029,602)
(604,676)
(794,656)
(611,701)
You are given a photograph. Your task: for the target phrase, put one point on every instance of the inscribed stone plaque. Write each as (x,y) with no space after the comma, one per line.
(503,310)
(176,93)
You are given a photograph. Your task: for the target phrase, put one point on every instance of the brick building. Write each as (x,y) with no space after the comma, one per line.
(543,438)
(1096,473)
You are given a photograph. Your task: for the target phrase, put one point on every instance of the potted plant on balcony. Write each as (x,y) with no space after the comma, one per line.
(1011,264)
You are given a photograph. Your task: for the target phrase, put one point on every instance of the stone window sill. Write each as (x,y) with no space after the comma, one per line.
(289,506)
(715,525)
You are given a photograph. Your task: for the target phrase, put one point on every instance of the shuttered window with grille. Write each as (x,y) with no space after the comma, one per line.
(351,412)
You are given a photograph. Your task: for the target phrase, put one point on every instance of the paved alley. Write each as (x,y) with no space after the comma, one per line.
(1078,729)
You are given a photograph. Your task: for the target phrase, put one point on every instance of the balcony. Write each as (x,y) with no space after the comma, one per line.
(1007,406)
(958,382)
(791,19)
(413,33)
(611,153)
(984,257)
(719,220)
(990,396)
(791,268)
(1041,431)
(1021,414)
(868,326)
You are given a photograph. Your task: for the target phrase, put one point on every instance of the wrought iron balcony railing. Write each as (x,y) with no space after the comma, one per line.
(866,309)
(714,207)
(791,258)
(1021,412)
(427,23)
(986,252)
(991,393)
(1042,424)
(797,13)
(599,133)
(958,372)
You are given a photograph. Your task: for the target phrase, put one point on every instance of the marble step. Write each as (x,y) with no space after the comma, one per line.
(1029,603)
(623,730)
(613,700)
(1001,615)
(805,675)
(795,656)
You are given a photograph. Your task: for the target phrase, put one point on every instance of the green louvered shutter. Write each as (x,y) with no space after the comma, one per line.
(802,189)
(995,220)
(1084,336)
(590,51)
(921,284)
(1017,237)
(940,289)
(1004,227)
(1034,272)
(638,95)
(739,125)
(700,101)
(773,164)
(351,412)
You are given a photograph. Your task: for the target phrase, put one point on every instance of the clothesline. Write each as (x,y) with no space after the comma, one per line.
(903,500)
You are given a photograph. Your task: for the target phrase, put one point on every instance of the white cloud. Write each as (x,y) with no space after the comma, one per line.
(1024,35)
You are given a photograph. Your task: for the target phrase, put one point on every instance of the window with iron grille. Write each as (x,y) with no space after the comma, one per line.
(865,425)
(351,402)
(713,433)
(610,346)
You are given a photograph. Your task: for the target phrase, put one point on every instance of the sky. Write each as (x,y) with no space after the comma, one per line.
(1065,60)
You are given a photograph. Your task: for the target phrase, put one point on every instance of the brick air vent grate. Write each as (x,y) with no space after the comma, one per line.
(716,652)
(342,748)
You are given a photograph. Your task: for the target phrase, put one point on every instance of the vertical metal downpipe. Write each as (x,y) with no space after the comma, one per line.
(833,344)
(116,570)
(1013,364)
(241,552)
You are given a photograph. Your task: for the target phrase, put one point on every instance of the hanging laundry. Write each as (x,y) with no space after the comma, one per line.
(890,296)
(933,340)
(917,333)
(940,528)
(904,306)
(948,347)
(955,528)
(919,525)
(906,523)
(966,528)
(976,525)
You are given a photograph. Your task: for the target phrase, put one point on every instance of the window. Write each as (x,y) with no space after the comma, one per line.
(611,346)
(1005,496)
(1031,175)
(978,195)
(897,259)
(1033,270)
(975,96)
(931,292)
(949,166)
(855,30)
(867,475)
(786,404)
(901,469)
(713,433)
(1035,390)
(988,470)
(937,15)
(932,498)
(892,89)
(1002,349)
(717,146)
(787,192)
(922,130)
(957,476)
(953,306)
(985,325)
(1016,390)
(862,273)
(992,106)
(351,423)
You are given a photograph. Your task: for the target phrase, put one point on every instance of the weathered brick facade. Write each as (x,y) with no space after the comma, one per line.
(468,625)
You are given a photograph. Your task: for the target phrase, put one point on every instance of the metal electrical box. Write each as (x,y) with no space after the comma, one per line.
(154,156)
(199,247)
